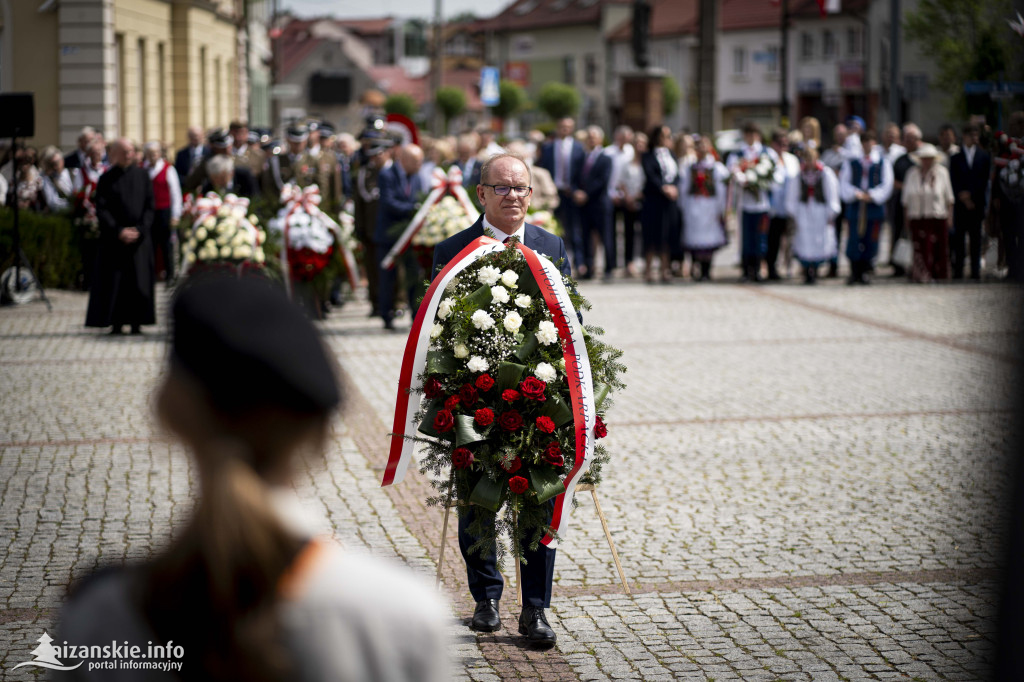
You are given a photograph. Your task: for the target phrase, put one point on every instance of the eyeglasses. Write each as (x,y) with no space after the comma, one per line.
(503,190)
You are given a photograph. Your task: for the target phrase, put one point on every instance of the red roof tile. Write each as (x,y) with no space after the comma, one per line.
(523,14)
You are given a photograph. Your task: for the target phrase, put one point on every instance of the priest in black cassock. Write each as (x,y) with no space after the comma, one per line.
(122,290)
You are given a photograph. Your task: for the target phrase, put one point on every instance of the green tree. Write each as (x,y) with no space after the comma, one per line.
(451,101)
(670,95)
(513,98)
(558,100)
(400,103)
(968,39)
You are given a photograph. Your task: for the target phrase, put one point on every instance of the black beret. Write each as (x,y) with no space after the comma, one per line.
(249,346)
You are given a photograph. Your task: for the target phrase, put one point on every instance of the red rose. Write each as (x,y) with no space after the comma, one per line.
(484,382)
(545,424)
(600,430)
(553,455)
(432,389)
(510,421)
(462,458)
(468,395)
(532,388)
(518,485)
(484,416)
(444,421)
(513,466)
(451,402)
(510,395)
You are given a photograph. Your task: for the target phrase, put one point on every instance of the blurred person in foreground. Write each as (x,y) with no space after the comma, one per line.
(253,588)
(122,287)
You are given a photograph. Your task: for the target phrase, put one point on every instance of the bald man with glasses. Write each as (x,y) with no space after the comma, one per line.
(505,191)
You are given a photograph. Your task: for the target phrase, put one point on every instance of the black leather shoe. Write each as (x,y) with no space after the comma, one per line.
(534,625)
(486,618)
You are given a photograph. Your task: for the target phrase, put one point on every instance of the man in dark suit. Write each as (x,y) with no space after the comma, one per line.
(80,157)
(563,158)
(468,162)
(505,192)
(191,155)
(400,187)
(596,204)
(969,172)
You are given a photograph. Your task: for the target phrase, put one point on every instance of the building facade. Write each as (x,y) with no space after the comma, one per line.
(143,69)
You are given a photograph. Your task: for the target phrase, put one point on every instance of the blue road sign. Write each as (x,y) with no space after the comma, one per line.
(489,92)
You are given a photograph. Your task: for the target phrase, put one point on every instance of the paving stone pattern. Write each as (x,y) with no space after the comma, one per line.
(806,482)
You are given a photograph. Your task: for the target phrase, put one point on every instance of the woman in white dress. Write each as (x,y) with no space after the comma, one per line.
(814,203)
(702,195)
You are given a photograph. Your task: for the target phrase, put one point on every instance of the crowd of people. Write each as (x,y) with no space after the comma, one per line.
(651,205)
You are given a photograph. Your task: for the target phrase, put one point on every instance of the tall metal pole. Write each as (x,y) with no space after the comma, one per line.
(706,67)
(895,115)
(784,66)
(435,72)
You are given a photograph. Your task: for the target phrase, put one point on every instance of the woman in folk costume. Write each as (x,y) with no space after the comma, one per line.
(813,202)
(865,184)
(702,194)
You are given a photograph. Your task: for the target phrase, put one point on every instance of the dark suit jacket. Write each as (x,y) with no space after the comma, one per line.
(974,179)
(397,203)
(576,157)
(72,160)
(594,180)
(243,184)
(537,238)
(473,179)
(183,161)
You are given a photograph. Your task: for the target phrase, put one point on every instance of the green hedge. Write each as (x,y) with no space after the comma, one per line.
(50,244)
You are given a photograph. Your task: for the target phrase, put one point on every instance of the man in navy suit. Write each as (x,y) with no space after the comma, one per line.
(969,172)
(79,158)
(504,192)
(468,163)
(191,155)
(563,158)
(400,187)
(596,204)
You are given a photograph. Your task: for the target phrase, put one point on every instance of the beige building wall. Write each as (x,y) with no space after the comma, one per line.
(205,73)
(29,62)
(143,31)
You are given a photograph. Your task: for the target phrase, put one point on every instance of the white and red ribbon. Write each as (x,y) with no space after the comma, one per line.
(307,199)
(574,351)
(440,185)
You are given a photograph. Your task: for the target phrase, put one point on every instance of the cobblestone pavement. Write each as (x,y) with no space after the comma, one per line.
(805,485)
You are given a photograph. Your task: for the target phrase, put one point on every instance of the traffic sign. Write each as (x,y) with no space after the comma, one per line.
(490,94)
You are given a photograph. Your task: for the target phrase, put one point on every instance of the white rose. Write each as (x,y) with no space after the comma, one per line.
(225,252)
(445,308)
(499,294)
(243,251)
(259,257)
(210,221)
(201,234)
(436,331)
(523,301)
(546,333)
(223,211)
(751,177)
(190,258)
(481,320)
(545,372)
(461,351)
(513,321)
(477,364)
(509,279)
(488,275)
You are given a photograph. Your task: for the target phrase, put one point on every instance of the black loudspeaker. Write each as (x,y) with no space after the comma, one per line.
(19,115)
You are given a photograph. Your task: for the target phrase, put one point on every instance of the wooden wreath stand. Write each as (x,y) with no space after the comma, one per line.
(581,487)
